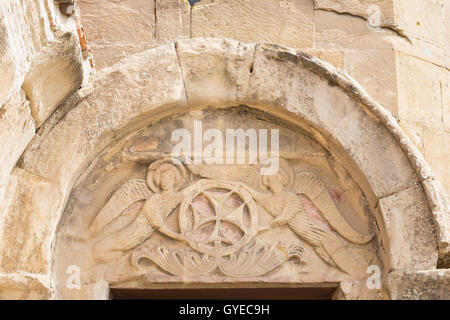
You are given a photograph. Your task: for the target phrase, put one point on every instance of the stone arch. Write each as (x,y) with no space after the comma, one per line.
(407,203)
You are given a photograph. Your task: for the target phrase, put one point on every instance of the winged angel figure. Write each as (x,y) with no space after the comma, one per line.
(334,240)
(161,193)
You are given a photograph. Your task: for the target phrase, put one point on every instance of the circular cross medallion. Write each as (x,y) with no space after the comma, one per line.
(218,217)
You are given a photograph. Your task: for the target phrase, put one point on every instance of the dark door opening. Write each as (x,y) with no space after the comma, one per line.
(309,293)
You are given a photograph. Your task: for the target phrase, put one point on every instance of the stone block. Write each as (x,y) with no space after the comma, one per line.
(215,71)
(408,234)
(54,75)
(118,22)
(120,97)
(172,20)
(419,91)
(440,207)
(288,23)
(373,69)
(420,285)
(16,131)
(24,287)
(437,153)
(335,31)
(421,19)
(29,224)
(378,12)
(445,89)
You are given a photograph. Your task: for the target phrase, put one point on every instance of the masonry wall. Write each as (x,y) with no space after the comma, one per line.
(397,49)
(41,64)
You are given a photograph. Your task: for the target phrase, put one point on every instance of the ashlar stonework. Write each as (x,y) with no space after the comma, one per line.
(100,197)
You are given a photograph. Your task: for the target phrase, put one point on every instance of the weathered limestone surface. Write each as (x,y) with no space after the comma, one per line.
(348,32)
(412,242)
(419,100)
(421,19)
(173,20)
(215,71)
(357,36)
(410,47)
(33,33)
(447,31)
(364,50)
(168,80)
(24,287)
(437,153)
(316,101)
(424,109)
(380,82)
(357,290)
(41,65)
(378,12)
(126,22)
(25,30)
(91,126)
(17,129)
(135,87)
(333,56)
(445,87)
(423,104)
(117,29)
(54,74)
(27,237)
(420,285)
(288,23)
(439,206)
(399,51)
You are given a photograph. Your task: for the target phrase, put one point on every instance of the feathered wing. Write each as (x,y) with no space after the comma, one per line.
(308,184)
(129,193)
(240,173)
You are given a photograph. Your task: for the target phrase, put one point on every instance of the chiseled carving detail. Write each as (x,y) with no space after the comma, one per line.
(160,192)
(254,261)
(288,208)
(218,221)
(332,237)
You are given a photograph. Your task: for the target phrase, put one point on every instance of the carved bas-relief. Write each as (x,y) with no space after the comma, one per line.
(139,217)
(218,220)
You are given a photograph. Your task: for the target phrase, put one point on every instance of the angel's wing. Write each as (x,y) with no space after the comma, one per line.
(239,173)
(308,184)
(126,195)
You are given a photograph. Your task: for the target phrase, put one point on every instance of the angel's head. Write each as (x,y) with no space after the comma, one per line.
(277,182)
(165,175)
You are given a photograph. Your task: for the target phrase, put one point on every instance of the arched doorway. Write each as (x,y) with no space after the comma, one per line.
(346,165)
